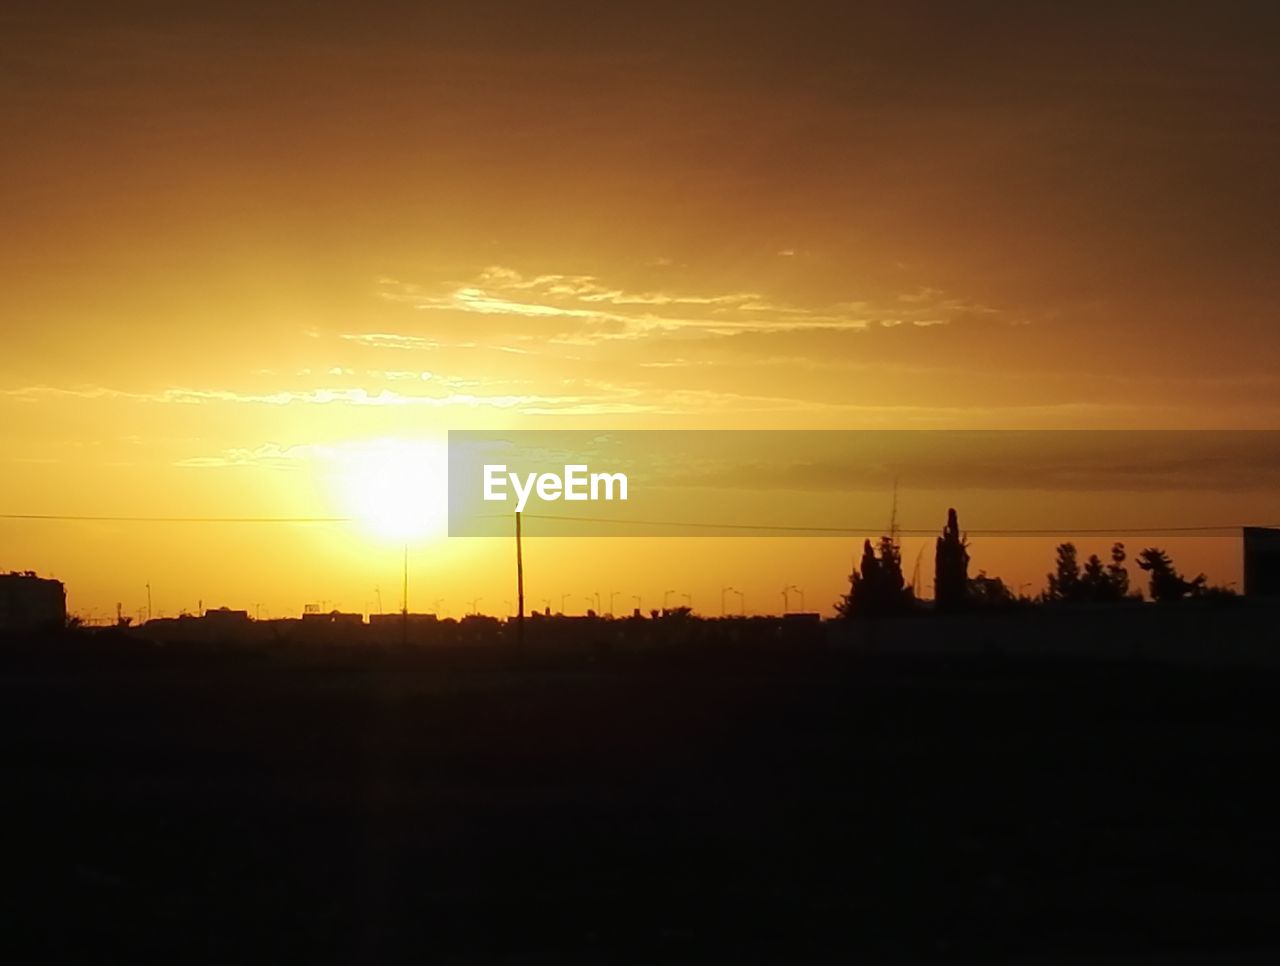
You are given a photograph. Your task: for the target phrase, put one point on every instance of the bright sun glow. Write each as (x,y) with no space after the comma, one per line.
(395,489)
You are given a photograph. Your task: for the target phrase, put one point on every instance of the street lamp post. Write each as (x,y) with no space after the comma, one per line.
(786,601)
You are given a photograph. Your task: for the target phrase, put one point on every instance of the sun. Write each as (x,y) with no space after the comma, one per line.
(396,490)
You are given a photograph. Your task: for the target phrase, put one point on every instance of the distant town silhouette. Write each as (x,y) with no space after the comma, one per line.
(878,590)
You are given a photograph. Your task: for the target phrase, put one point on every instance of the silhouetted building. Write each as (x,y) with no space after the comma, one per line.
(334,627)
(226,617)
(29,603)
(1261,562)
(413,628)
(797,617)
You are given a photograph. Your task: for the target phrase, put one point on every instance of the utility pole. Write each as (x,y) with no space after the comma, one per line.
(519,583)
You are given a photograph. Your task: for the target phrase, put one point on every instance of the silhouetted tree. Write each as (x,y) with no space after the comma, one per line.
(951,567)
(1064,582)
(1166,583)
(1097,581)
(1094,575)
(876,586)
(1107,582)
(984,591)
(1117,573)
(1218,592)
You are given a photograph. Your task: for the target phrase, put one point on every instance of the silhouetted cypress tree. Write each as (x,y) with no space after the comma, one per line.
(877,587)
(951,567)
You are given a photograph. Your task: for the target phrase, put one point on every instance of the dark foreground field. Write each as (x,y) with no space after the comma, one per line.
(705,807)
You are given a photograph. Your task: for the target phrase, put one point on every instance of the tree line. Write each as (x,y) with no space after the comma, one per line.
(878,587)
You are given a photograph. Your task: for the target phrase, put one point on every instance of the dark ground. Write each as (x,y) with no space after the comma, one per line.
(474,806)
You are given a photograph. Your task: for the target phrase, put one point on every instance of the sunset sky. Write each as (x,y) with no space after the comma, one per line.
(258,258)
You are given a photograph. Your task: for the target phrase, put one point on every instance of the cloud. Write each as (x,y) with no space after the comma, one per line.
(287,397)
(389,340)
(597,398)
(579,309)
(268,454)
(393,340)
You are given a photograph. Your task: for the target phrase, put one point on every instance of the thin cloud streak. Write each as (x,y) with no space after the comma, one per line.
(579,300)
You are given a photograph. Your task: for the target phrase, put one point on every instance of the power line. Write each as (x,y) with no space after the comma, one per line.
(72,518)
(688,524)
(925,531)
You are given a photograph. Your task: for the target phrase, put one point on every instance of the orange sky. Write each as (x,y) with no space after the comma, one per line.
(247,251)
